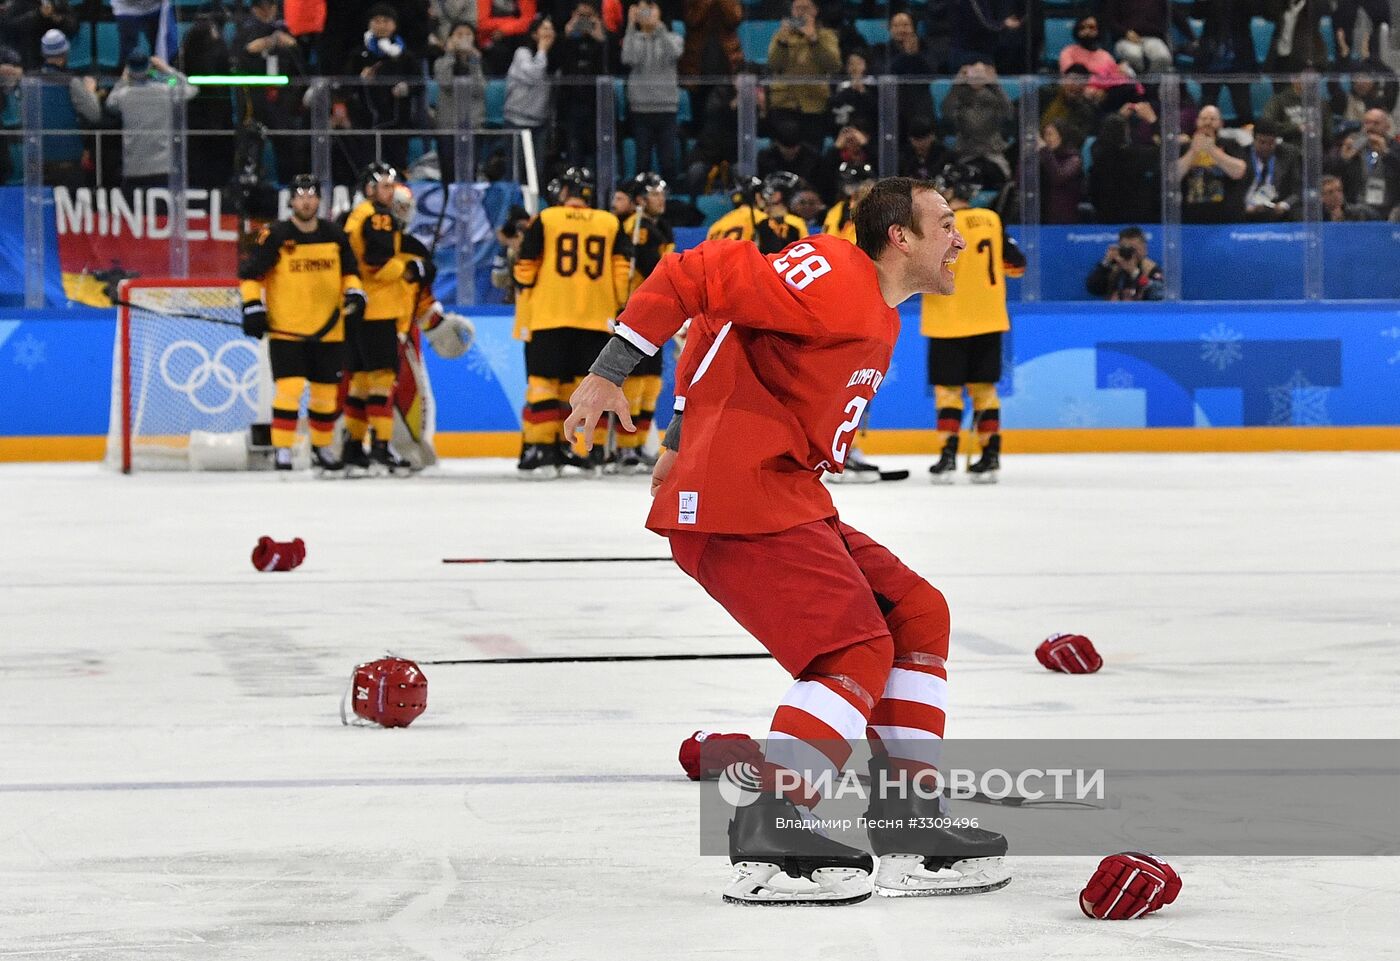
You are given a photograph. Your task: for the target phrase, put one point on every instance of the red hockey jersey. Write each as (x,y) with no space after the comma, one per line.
(784,353)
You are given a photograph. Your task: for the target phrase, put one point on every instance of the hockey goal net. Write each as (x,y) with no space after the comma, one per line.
(182,368)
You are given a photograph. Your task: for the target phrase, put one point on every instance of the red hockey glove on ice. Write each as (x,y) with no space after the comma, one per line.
(1069,654)
(704,755)
(1129,885)
(272,555)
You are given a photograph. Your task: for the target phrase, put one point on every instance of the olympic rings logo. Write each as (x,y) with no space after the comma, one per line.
(238,384)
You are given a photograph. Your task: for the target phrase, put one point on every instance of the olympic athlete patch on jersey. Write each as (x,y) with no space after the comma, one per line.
(977,304)
(574,262)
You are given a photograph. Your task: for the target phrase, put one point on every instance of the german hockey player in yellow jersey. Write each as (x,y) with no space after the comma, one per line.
(300,289)
(573,274)
(652,238)
(740,222)
(855,179)
(779,227)
(965,328)
(376,239)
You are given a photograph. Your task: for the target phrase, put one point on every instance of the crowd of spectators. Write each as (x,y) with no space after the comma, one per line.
(1099,148)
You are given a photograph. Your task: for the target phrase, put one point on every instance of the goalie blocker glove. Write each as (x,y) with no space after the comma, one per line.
(1069,654)
(703,755)
(1129,885)
(254,318)
(450,335)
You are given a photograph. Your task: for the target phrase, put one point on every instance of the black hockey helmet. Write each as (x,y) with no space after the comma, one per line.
(378,173)
(306,184)
(959,179)
(644,183)
(781,187)
(852,175)
(580,182)
(745,190)
(551,192)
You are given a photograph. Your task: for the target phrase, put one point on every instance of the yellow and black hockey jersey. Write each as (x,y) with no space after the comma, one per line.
(573,268)
(302,276)
(651,240)
(838,221)
(738,224)
(413,297)
(773,235)
(376,240)
(978,302)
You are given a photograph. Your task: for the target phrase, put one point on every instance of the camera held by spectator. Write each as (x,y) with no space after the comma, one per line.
(1126,272)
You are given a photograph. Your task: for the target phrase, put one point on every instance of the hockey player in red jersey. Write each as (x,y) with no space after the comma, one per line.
(783,356)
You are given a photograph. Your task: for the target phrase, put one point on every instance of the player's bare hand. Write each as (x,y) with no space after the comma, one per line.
(593,398)
(664,462)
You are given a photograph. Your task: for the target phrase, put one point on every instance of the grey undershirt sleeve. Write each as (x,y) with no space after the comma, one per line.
(672,440)
(616,360)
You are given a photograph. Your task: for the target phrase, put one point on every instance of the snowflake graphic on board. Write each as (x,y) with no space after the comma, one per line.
(1221,346)
(1297,401)
(487,356)
(1077,412)
(1394,334)
(29,352)
(1120,379)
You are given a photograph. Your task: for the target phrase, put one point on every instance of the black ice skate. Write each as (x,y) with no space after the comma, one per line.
(538,462)
(985,469)
(325,462)
(282,459)
(633,460)
(353,458)
(947,466)
(858,470)
(587,464)
(383,459)
(921,855)
(765,841)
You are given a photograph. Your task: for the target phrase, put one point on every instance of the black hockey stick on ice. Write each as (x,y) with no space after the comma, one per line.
(599,658)
(553,560)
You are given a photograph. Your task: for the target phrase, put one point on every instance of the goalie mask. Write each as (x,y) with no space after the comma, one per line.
(402,206)
(389,692)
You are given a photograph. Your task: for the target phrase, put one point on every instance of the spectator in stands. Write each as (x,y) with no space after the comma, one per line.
(210,162)
(1123,182)
(414,25)
(1372,85)
(10,74)
(306,20)
(905,56)
(1126,272)
(582,56)
(69,101)
(807,204)
(385,99)
(854,103)
(790,152)
(1061,174)
(1087,52)
(1132,102)
(651,51)
(1335,209)
(851,146)
(82,91)
(1368,162)
(458,70)
(1297,41)
(24,23)
(1076,103)
(979,111)
(502,27)
(1142,28)
(1210,171)
(262,44)
(802,49)
(710,167)
(839,17)
(921,155)
(712,47)
(1285,111)
(1226,46)
(143,98)
(530,90)
(137,19)
(1274,177)
(1344,23)
(446,14)
(983,29)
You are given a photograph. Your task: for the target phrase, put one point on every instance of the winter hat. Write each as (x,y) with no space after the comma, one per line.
(53,43)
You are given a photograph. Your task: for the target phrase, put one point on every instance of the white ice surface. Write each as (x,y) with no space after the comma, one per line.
(175,783)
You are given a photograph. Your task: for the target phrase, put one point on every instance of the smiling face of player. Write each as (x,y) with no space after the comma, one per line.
(934,249)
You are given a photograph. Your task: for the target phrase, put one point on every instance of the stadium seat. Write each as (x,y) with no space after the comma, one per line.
(755,36)
(875,30)
(683,114)
(108,47)
(713,206)
(620,97)
(1263,32)
(1329,38)
(495,103)
(1086,153)
(939,89)
(1259,93)
(678,27)
(1059,33)
(629,159)
(80,50)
